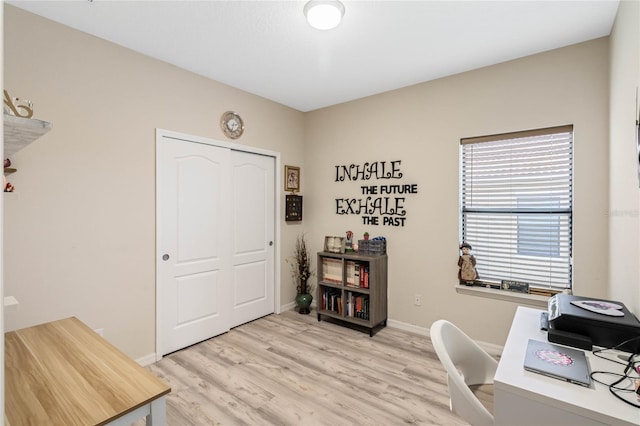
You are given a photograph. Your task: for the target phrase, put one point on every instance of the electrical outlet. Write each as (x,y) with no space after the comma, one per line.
(417,299)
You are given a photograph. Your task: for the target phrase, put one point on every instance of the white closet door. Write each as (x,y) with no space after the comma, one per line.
(194,274)
(252,244)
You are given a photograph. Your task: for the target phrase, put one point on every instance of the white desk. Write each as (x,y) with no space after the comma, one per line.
(525,398)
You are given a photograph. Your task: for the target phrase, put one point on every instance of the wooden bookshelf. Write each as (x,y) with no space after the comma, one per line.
(352,288)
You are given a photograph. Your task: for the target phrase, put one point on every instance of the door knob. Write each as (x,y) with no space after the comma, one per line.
(270,243)
(165,257)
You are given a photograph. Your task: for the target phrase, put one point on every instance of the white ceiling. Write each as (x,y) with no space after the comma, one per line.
(267,48)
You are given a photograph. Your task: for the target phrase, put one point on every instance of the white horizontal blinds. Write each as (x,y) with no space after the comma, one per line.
(516,194)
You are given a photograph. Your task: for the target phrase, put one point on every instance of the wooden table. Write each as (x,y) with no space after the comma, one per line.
(63,373)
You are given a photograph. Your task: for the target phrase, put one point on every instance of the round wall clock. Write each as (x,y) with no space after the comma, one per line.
(232,125)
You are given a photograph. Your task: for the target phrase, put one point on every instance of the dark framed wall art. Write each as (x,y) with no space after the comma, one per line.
(293,208)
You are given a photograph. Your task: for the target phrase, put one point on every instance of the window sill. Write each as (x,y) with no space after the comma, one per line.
(509,296)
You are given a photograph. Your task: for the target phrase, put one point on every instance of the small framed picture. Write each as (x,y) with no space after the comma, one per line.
(291,178)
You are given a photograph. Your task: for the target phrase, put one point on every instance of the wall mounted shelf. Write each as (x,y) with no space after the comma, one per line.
(20,132)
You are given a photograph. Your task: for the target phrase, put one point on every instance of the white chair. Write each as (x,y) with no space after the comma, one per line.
(467,365)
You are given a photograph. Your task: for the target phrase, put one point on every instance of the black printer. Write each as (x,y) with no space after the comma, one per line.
(582,322)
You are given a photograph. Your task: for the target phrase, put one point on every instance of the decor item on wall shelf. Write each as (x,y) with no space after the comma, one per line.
(232,124)
(291,178)
(7,167)
(8,187)
(301,272)
(13,105)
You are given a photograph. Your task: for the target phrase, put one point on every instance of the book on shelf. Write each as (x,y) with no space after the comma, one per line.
(364,275)
(331,300)
(365,280)
(353,273)
(358,306)
(350,271)
(332,270)
(357,274)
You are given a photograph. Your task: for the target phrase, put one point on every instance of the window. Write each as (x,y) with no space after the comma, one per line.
(516,205)
(529,227)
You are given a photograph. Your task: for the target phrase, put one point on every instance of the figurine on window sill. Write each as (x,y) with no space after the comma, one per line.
(467,274)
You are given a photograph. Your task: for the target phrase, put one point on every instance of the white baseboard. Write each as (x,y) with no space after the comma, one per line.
(292,305)
(411,328)
(147,359)
(491,348)
(288,307)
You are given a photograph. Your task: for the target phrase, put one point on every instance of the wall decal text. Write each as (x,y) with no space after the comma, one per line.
(382,204)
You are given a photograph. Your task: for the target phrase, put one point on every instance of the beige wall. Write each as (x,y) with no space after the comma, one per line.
(422,126)
(624,184)
(80,230)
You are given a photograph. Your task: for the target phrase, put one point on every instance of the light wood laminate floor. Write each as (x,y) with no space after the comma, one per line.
(290,369)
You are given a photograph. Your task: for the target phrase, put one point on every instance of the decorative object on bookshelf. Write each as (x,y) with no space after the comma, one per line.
(349,242)
(334,244)
(301,271)
(366,235)
(376,246)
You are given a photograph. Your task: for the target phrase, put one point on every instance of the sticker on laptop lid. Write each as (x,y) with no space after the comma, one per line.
(554,357)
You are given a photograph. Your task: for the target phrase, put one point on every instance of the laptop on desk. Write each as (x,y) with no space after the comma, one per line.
(558,362)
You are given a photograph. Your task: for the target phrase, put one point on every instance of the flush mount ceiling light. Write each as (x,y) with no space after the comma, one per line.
(324,14)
